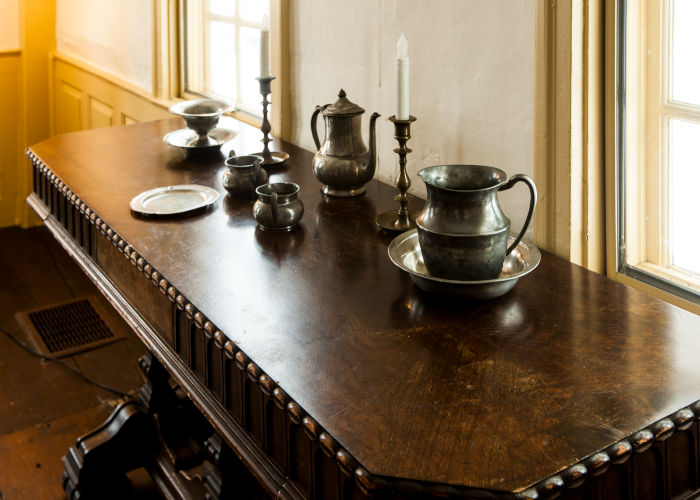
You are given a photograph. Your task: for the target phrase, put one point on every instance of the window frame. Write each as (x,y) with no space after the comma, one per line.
(641,165)
(577,138)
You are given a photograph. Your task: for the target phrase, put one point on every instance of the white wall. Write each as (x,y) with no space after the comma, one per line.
(472,72)
(9,25)
(472,79)
(112,35)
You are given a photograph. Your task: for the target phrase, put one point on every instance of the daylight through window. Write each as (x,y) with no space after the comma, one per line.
(221,50)
(659,131)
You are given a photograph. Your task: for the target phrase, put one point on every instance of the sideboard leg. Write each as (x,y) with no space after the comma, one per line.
(156,394)
(96,466)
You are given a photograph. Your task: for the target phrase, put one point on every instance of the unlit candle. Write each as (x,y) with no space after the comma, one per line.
(265,47)
(402,78)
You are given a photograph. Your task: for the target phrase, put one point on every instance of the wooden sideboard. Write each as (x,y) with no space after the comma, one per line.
(328,374)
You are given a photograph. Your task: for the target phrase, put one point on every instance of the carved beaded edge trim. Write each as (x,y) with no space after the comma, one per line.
(617,453)
(296,414)
(551,487)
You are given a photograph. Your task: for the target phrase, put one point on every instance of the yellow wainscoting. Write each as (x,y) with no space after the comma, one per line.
(84,97)
(10,135)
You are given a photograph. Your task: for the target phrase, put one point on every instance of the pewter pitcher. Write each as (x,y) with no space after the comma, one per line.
(343,163)
(462,231)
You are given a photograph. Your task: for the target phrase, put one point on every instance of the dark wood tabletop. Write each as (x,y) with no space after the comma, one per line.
(496,394)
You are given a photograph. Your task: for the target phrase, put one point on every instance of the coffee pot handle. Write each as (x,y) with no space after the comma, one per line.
(314,132)
(533,201)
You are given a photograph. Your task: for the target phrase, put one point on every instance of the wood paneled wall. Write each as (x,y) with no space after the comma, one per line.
(11,153)
(84,98)
(81,97)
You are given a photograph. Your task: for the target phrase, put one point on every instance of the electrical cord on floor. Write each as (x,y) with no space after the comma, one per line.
(61,362)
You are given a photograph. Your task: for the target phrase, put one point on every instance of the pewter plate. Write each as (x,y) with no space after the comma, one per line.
(404,252)
(171,200)
(188,138)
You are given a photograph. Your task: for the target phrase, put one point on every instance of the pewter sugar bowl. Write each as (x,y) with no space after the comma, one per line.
(343,163)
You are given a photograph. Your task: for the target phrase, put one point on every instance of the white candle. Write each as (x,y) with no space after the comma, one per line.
(265,47)
(402,78)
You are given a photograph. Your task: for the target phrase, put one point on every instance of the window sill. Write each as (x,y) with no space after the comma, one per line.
(672,274)
(109,77)
(654,291)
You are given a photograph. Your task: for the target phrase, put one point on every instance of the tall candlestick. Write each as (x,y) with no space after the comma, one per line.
(270,158)
(402,219)
(265,47)
(402,65)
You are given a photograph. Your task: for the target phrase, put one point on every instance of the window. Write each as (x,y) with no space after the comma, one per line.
(658,137)
(220,50)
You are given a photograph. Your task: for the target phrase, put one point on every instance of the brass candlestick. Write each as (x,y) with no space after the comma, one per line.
(269,157)
(401,219)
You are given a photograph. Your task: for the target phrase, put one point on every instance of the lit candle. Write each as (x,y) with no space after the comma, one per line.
(265,47)
(402,78)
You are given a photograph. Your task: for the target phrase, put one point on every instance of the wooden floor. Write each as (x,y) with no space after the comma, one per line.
(44,407)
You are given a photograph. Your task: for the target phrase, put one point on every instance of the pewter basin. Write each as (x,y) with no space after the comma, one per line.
(405,253)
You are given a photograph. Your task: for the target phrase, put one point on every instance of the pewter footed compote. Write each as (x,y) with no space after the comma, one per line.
(201,116)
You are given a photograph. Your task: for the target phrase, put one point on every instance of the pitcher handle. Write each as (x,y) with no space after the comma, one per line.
(533,201)
(274,207)
(314,132)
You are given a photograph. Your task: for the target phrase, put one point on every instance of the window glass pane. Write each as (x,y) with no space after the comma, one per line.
(684,201)
(250,67)
(221,59)
(254,10)
(685,51)
(221,50)
(223,7)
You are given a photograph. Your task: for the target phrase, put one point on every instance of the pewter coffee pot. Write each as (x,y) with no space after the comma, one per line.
(343,163)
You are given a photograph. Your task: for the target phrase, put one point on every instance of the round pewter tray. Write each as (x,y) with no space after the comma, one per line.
(404,252)
(171,200)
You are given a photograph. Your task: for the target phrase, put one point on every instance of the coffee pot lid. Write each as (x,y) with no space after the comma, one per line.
(342,106)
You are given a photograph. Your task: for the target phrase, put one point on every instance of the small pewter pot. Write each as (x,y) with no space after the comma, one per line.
(243,175)
(343,163)
(278,208)
(462,231)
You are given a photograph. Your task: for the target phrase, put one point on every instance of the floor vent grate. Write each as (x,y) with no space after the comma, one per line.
(67,328)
